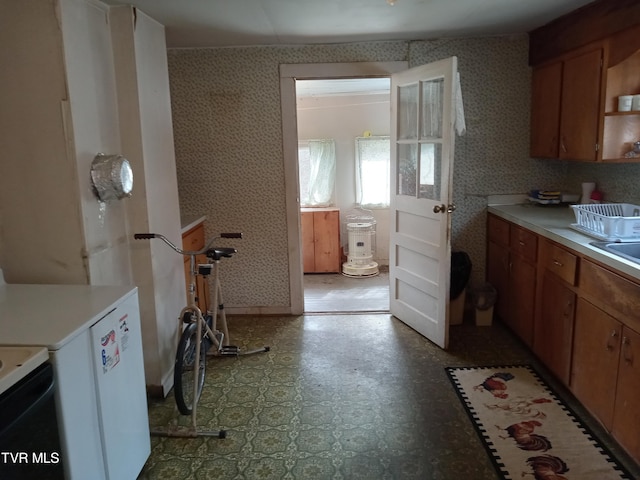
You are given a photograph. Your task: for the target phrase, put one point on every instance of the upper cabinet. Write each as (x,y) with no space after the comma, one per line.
(565,106)
(581,64)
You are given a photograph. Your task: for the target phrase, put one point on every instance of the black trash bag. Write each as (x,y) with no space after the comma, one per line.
(460,273)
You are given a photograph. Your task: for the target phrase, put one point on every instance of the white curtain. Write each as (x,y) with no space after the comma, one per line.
(317,173)
(372,171)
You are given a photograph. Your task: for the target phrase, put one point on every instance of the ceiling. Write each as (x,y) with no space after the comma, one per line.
(225,23)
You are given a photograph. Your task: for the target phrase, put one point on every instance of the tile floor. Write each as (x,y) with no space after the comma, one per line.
(339,396)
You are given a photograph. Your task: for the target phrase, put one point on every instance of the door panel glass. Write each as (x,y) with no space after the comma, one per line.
(430,169)
(407,169)
(432,108)
(407,112)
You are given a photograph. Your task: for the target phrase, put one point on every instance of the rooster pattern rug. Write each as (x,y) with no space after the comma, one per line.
(528,431)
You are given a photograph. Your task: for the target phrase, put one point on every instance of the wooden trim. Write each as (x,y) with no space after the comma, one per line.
(593,22)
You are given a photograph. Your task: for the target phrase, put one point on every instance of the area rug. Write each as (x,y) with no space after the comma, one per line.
(527,430)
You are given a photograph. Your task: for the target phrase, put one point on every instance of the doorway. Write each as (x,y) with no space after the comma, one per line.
(289,74)
(350,116)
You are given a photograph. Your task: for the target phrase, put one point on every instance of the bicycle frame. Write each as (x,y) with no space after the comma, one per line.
(216,337)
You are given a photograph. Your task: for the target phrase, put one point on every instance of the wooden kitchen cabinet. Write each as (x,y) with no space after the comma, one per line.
(511,269)
(606,356)
(546,83)
(193,239)
(626,414)
(596,354)
(320,240)
(574,101)
(554,323)
(565,106)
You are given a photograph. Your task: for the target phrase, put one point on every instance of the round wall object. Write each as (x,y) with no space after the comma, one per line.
(111,176)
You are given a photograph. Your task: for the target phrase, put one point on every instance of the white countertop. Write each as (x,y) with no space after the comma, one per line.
(51,315)
(553,223)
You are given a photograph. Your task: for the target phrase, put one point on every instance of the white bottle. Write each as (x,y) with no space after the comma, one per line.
(587,189)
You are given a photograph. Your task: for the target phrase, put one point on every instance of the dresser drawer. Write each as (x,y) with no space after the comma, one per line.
(498,230)
(524,243)
(559,261)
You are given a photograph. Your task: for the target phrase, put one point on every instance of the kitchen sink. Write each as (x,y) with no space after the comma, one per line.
(629,251)
(17,362)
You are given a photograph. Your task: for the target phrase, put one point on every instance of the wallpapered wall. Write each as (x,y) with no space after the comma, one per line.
(228,140)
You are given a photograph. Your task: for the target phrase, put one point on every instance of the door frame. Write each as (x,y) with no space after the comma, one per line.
(289,73)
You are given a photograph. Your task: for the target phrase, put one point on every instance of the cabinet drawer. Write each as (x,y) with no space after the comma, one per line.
(617,292)
(559,261)
(524,243)
(498,230)
(194,238)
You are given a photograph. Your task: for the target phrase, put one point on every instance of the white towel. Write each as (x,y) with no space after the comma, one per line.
(460,124)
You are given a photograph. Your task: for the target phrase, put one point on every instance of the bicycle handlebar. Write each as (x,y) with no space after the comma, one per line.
(147,236)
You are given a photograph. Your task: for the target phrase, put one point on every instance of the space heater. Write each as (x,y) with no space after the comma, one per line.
(360,229)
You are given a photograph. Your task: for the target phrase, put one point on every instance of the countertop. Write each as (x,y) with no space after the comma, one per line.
(51,315)
(553,222)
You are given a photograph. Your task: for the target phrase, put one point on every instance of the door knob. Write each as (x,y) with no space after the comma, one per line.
(444,208)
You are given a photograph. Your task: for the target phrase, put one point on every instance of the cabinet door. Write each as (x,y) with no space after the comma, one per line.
(498,276)
(553,333)
(522,298)
(580,106)
(308,255)
(546,83)
(596,349)
(326,228)
(626,419)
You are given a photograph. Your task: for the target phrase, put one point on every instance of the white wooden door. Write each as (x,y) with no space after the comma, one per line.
(422,139)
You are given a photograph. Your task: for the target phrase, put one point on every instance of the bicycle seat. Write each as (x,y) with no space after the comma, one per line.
(218,253)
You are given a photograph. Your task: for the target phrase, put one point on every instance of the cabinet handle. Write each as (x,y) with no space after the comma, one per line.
(557,263)
(562,145)
(522,244)
(610,343)
(568,309)
(626,350)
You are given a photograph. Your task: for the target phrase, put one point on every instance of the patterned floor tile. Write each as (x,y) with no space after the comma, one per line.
(338,397)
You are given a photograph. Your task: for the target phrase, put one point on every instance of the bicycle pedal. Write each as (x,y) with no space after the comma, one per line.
(230,350)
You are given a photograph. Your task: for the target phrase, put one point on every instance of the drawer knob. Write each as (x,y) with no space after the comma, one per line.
(557,263)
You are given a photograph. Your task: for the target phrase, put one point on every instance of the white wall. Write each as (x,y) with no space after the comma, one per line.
(77,82)
(147,137)
(343,118)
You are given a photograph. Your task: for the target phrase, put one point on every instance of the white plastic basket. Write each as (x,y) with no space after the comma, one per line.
(608,221)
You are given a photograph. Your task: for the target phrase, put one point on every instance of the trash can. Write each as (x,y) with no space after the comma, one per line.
(484,298)
(460,274)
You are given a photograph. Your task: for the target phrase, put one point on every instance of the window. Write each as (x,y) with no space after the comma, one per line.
(372,171)
(317,171)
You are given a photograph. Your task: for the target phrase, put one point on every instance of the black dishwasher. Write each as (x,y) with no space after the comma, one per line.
(29,439)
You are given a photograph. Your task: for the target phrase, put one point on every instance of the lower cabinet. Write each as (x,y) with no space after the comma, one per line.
(586,327)
(511,269)
(596,353)
(193,240)
(320,240)
(555,308)
(606,373)
(553,335)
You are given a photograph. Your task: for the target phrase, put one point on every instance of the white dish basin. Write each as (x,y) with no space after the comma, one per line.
(17,362)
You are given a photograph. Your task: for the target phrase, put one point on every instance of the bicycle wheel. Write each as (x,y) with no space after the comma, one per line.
(184,375)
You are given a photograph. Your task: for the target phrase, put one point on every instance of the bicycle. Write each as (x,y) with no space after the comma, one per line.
(201,334)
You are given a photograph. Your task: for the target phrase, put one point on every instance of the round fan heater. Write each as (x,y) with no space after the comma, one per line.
(361,233)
